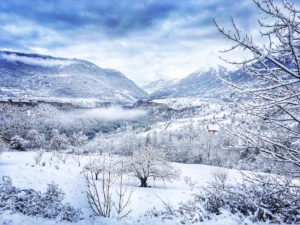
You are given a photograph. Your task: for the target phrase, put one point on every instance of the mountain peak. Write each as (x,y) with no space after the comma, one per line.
(211,69)
(201,83)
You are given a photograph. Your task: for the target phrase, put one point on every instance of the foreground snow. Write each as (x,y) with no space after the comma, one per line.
(21,168)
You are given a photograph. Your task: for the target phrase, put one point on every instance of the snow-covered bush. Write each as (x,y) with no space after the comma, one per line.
(54,208)
(58,141)
(187,213)
(33,203)
(78,139)
(259,197)
(19,143)
(35,139)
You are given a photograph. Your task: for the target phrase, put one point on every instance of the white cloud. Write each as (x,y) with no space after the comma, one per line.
(174,47)
(36,61)
(147,60)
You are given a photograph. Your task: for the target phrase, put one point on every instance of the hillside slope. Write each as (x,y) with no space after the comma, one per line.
(33,76)
(202,83)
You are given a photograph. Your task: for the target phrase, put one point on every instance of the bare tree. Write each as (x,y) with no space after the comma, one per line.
(151,162)
(95,167)
(123,195)
(100,199)
(219,180)
(38,157)
(100,195)
(62,157)
(271,100)
(188,181)
(77,156)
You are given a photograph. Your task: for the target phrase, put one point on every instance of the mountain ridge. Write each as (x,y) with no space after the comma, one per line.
(26,75)
(204,83)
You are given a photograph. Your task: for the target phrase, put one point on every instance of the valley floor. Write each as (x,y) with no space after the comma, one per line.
(21,168)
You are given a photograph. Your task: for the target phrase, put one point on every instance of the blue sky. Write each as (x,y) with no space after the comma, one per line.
(145,40)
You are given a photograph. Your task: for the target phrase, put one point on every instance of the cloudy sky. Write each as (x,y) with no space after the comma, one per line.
(145,40)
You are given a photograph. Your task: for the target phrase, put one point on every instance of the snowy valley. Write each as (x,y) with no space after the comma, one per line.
(81,144)
(64,141)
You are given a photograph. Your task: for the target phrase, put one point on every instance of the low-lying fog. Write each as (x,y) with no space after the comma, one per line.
(113,113)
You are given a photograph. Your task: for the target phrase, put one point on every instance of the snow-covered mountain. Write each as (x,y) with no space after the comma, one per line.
(202,83)
(33,76)
(159,84)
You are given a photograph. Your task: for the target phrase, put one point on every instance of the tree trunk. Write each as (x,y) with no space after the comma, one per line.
(144,182)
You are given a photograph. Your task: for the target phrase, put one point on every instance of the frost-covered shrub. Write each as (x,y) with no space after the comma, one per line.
(35,139)
(78,139)
(62,157)
(187,213)
(261,198)
(188,181)
(33,203)
(55,208)
(19,143)
(58,141)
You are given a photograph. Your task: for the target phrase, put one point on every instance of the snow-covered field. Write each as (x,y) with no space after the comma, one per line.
(25,174)
(20,166)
